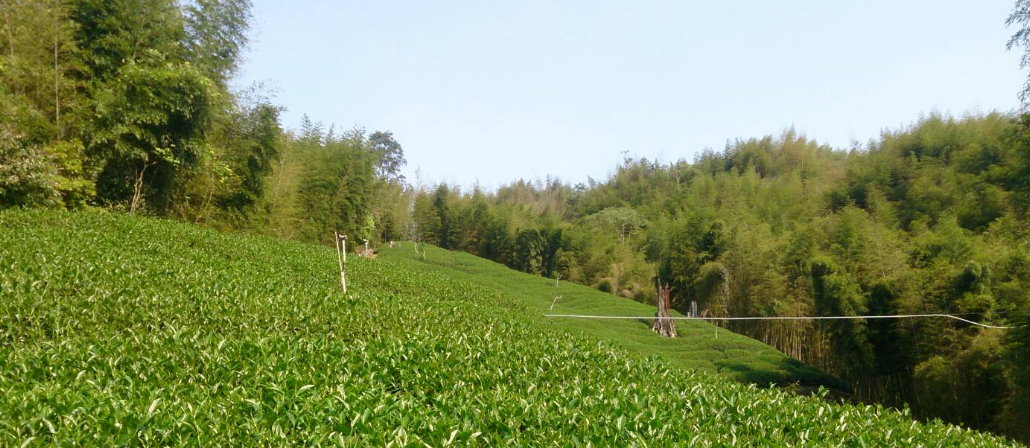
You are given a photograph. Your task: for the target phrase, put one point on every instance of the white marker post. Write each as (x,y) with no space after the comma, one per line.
(341,255)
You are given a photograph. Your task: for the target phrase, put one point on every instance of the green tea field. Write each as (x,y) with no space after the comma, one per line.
(125,331)
(700,345)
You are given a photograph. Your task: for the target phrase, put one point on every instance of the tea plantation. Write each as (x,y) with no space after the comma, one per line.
(699,345)
(117,330)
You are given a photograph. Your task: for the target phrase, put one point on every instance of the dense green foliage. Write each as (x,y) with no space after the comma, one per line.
(119,330)
(125,104)
(699,345)
(323,182)
(928,219)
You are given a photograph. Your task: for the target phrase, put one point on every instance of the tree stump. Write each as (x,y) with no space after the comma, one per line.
(663,325)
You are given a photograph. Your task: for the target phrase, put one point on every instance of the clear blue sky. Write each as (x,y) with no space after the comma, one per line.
(491,91)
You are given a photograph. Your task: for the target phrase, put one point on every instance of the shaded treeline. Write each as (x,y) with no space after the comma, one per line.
(927,219)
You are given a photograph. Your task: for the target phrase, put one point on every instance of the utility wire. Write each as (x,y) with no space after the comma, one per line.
(897,316)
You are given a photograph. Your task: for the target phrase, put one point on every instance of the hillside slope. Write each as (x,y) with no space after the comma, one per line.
(116,330)
(700,345)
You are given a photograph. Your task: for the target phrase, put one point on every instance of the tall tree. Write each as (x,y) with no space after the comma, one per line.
(150,124)
(389,155)
(1020,17)
(38,56)
(114,33)
(216,35)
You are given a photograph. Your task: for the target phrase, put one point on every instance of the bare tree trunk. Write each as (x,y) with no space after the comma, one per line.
(279,175)
(10,33)
(57,90)
(205,209)
(10,44)
(137,188)
(662,324)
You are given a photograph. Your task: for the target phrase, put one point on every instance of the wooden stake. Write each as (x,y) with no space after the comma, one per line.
(341,256)
(555,300)
(422,254)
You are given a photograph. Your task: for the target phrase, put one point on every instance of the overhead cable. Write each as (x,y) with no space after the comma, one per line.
(895,316)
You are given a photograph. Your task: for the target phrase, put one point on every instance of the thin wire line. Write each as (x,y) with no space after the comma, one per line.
(897,316)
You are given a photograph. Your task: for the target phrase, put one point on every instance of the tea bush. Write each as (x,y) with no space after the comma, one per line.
(118,330)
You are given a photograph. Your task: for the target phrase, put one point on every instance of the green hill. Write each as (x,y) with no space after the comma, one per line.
(116,330)
(700,345)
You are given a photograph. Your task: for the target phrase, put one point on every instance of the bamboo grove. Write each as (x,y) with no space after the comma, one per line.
(927,219)
(127,104)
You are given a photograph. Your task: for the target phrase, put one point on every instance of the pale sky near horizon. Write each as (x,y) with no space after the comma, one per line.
(488,92)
